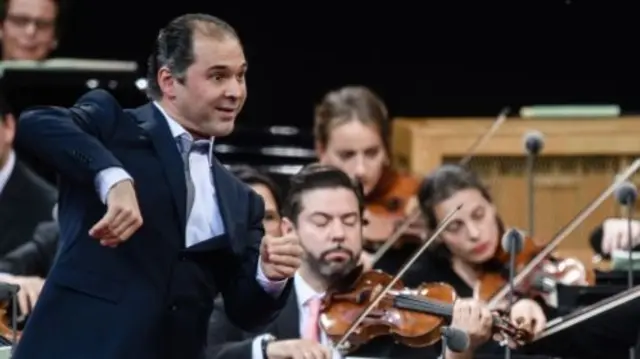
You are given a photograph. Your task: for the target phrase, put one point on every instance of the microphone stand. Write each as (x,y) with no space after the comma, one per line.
(531,158)
(630,269)
(445,343)
(512,288)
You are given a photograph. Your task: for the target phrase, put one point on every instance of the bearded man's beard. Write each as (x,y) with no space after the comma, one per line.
(332,270)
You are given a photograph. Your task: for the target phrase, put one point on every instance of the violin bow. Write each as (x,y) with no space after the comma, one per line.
(561,323)
(416,213)
(344,339)
(564,232)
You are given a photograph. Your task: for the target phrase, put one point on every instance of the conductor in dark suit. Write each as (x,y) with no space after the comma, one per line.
(139,281)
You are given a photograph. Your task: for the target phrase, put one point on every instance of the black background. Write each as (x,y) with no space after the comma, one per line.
(424,58)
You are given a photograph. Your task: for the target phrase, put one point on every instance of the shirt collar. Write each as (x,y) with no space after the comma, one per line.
(304,292)
(177,130)
(6,170)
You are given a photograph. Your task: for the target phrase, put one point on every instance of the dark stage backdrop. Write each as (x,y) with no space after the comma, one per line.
(423,58)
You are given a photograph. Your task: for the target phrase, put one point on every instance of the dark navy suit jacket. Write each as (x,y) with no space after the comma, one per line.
(150,297)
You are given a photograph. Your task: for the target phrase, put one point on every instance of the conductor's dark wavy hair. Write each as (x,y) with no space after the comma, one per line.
(317,176)
(441,185)
(173,47)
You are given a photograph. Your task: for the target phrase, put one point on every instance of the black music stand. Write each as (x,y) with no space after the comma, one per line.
(615,277)
(60,82)
(608,333)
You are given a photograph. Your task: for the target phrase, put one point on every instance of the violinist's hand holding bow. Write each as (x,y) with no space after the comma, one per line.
(472,317)
(615,235)
(526,314)
(366,261)
(297,349)
(280,256)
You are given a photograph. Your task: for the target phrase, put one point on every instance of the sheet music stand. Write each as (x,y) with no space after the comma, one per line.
(615,277)
(611,324)
(60,82)
(572,297)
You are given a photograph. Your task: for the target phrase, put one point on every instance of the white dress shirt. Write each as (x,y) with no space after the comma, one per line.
(304,293)
(205,219)
(6,170)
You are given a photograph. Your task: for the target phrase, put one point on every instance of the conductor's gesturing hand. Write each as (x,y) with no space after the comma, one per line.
(280,256)
(123,216)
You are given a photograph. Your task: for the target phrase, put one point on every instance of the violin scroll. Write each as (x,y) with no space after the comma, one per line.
(503,326)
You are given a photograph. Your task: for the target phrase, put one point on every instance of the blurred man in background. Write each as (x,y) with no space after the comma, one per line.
(28,29)
(25,199)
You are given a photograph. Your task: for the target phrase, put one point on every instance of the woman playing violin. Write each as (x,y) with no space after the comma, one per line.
(352,132)
(467,248)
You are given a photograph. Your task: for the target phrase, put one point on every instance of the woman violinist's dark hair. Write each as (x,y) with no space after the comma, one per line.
(441,185)
(252,176)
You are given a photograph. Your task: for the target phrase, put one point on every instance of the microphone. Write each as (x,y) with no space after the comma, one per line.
(533,144)
(626,195)
(454,339)
(544,283)
(512,242)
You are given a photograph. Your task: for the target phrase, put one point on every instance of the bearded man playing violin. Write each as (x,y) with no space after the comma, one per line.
(324,209)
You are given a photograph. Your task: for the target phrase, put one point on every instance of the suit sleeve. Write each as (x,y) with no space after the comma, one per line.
(225,340)
(248,305)
(72,139)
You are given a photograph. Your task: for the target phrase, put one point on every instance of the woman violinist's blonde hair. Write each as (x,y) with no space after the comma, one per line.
(350,103)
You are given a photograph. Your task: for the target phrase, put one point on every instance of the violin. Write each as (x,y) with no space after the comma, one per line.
(6,332)
(412,213)
(387,206)
(413,317)
(532,260)
(564,271)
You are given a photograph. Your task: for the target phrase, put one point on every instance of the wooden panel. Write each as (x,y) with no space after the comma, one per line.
(579,160)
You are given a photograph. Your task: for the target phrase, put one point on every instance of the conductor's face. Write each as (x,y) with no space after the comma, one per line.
(213,90)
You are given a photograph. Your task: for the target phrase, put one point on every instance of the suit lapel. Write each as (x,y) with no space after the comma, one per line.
(154,123)
(288,323)
(223,184)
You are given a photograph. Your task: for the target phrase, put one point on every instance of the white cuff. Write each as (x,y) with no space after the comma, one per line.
(256,347)
(274,288)
(108,178)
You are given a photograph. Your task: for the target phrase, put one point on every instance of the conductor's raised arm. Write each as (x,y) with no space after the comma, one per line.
(72,139)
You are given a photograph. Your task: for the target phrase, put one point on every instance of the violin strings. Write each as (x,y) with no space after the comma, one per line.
(424,305)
